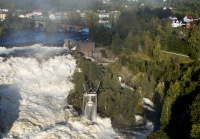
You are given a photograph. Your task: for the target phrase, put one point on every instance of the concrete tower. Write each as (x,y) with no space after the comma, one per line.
(90,106)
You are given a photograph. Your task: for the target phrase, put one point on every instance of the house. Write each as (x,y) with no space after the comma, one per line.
(61,13)
(106,1)
(29,15)
(22,16)
(52,16)
(188,19)
(2,16)
(97,53)
(82,14)
(103,15)
(103,22)
(142,4)
(188,25)
(4,10)
(172,17)
(176,24)
(89,49)
(86,47)
(37,12)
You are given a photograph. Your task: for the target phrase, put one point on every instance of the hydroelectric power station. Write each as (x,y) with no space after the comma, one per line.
(90,105)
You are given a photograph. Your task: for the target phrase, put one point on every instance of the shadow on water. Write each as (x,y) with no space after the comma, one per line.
(153,116)
(9,107)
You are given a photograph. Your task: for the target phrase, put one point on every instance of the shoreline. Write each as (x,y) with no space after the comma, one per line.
(31,43)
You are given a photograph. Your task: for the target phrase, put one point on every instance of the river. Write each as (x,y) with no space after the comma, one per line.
(31,36)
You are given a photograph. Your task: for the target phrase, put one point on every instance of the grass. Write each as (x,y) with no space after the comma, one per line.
(181,59)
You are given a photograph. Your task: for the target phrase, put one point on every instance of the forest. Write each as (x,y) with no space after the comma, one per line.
(169,81)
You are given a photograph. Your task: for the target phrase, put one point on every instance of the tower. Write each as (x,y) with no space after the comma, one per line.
(90,104)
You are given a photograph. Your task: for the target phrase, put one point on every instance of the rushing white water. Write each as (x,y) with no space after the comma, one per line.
(34,84)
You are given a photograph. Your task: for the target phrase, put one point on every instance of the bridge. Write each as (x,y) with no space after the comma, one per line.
(64,26)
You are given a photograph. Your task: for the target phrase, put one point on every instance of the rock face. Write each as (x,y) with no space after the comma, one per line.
(34,84)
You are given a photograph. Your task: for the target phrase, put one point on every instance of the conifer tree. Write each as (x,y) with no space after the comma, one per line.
(157,52)
(195,118)
(194,38)
(116,44)
(129,41)
(148,46)
(172,93)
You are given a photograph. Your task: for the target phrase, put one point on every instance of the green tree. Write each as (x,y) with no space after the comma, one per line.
(90,18)
(172,93)
(50,26)
(73,17)
(148,46)
(111,19)
(195,118)
(45,13)
(1,31)
(157,52)
(159,93)
(118,14)
(194,38)
(129,41)
(163,35)
(116,44)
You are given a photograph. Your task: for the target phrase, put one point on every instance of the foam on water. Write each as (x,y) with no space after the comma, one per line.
(34,84)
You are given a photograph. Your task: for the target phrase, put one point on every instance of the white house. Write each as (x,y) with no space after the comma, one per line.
(52,16)
(172,17)
(177,24)
(106,1)
(22,16)
(29,15)
(103,22)
(82,14)
(55,16)
(61,13)
(37,12)
(4,10)
(103,15)
(188,19)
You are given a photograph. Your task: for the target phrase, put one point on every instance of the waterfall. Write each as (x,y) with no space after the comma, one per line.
(90,106)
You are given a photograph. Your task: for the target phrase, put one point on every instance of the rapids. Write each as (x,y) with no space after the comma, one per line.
(34,84)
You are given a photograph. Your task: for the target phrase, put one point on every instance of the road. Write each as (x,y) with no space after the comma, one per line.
(176,54)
